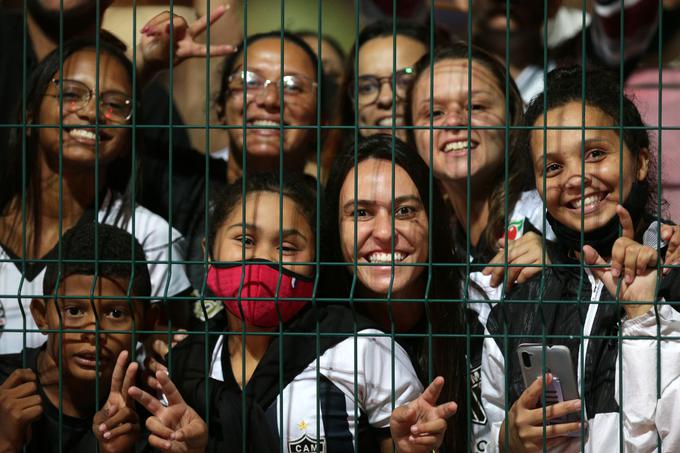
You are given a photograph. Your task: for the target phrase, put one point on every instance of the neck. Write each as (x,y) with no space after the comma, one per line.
(478,208)
(291,164)
(60,199)
(400,316)
(76,395)
(245,350)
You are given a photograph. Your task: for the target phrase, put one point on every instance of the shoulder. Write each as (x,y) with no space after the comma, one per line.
(150,229)
(9,363)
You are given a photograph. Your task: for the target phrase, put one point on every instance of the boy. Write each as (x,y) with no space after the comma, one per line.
(86,292)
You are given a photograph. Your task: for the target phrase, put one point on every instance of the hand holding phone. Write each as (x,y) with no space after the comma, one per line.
(524,424)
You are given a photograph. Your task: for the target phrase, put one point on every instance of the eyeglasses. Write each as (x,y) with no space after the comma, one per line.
(114,106)
(253,83)
(368,86)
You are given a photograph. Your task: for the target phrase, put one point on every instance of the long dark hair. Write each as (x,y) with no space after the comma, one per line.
(517,180)
(446,315)
(16,180)
(602,91)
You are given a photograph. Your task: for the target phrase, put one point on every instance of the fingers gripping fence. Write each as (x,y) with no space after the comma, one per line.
(291,263)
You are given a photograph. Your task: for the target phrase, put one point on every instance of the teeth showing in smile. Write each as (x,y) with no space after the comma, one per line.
(592,200)
(456,146)
(82,133)
(265,123)
(381,257)
(399,121)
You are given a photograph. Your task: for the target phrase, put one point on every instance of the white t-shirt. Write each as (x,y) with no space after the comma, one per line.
(159,241)
(337,419)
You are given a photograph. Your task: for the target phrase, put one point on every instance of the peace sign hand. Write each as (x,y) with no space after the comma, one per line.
(155,43)
(175,428)
(116,425)
(419,426)
(632,263)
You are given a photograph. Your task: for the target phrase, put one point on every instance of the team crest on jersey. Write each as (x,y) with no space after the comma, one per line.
(515,229)
(307,444)
(476,406)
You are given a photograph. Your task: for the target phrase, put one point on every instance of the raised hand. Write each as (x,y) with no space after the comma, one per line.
(116,425)
(419,426)
(20,405)
(156,349)
(524,423)
(632,264)
(156,40)
(527,250)
(175,428)
(671,234)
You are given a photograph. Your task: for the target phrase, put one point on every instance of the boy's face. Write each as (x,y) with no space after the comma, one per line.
(114,312)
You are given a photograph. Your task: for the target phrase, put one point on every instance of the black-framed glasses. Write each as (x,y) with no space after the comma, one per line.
(114,106)
(254,83)
(368,86)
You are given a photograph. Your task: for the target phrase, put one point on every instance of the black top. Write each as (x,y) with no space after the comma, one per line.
(76,433)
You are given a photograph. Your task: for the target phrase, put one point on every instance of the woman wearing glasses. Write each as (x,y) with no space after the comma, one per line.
(376,89)
(268,98)
(72,164)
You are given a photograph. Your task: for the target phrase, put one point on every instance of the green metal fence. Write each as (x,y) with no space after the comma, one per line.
(24,258)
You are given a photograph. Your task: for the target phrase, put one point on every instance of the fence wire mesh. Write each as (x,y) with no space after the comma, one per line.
(219,237)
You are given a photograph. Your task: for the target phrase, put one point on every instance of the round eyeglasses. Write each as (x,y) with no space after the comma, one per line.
(253,83)
(115,107)
(368,86)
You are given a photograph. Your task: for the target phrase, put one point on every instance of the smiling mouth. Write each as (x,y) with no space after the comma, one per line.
(589,203)
(462,145)
(387,121)
(89,360)
(86,136)
(386,258)
(264,123)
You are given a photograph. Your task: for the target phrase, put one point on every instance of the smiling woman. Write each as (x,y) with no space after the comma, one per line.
(72,164)
(269,92)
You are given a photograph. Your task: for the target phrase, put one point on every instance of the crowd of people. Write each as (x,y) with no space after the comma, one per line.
(367,265)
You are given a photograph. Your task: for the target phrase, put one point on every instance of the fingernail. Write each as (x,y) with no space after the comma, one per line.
(615,272)
(629,279)
(102,428)
(577,405)
(107,435)
(173,436)
(414,429)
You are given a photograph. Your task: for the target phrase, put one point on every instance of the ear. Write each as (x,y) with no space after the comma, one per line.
(642,165)
(39,312)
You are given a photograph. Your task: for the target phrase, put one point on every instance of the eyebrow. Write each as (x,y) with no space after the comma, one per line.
(285,233)
(398,200)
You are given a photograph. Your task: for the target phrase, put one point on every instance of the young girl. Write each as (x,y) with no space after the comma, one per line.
(318,386)
(399,261)
(71,164)
(593,177)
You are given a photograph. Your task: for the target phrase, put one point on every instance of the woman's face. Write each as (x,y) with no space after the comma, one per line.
(262,106)
(598,152)
(376,210)
(375,99)
(451,147)
(267,235)
(80,137)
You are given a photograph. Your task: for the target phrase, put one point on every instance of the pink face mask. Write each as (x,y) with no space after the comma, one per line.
(260,281)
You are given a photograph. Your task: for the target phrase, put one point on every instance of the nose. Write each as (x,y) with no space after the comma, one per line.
(385,95)
(457,117)
(89,110)
(576,179)
(268,97)
(382,228)
(88,333)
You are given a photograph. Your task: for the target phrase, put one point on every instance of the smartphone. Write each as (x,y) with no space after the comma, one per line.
(557,362)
